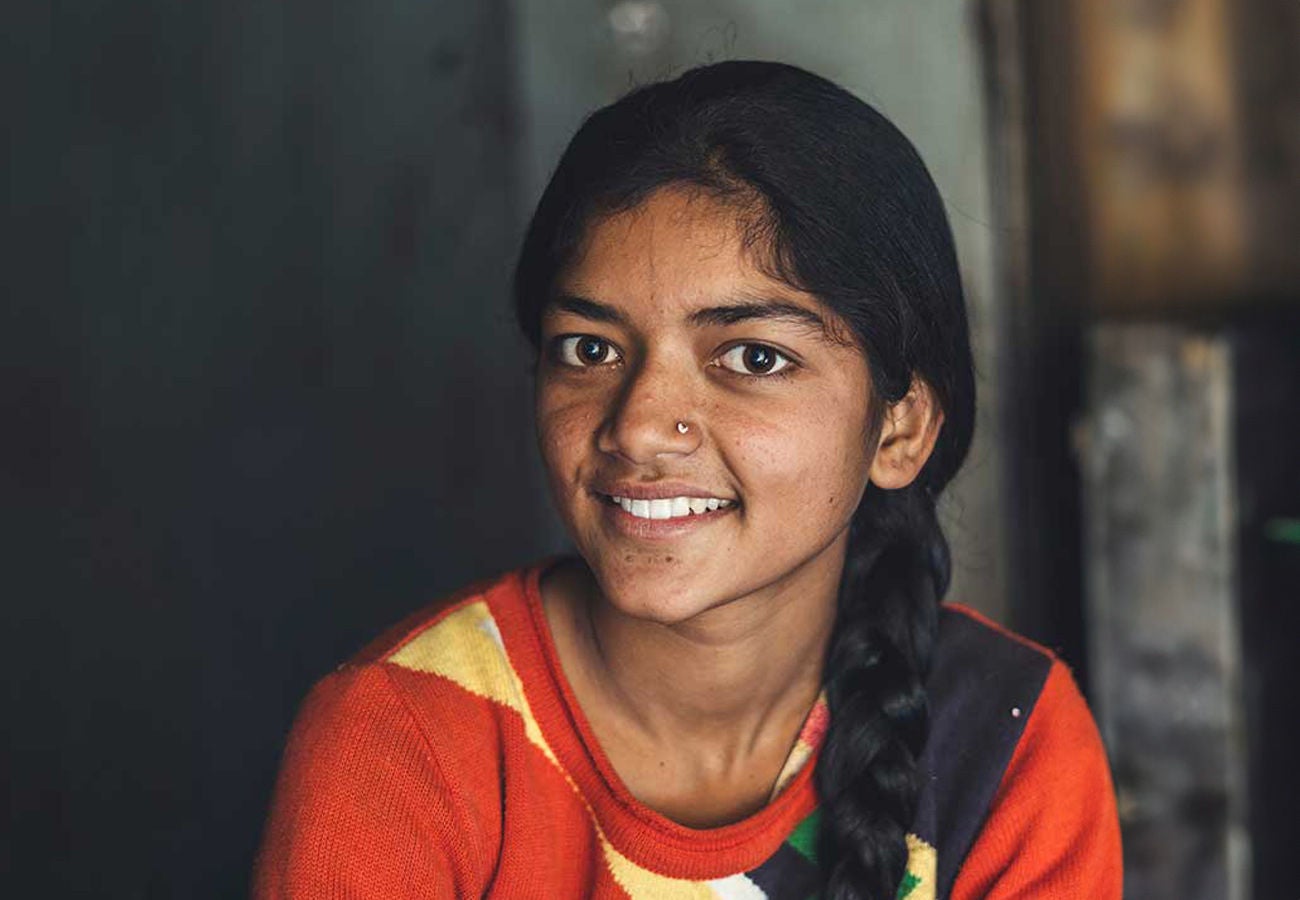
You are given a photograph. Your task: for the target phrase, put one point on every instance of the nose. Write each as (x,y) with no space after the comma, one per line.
(643,424)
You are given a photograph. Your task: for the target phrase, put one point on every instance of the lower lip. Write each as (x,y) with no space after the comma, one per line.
(660,529)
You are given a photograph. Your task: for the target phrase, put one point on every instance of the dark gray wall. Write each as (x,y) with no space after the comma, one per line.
(262,391)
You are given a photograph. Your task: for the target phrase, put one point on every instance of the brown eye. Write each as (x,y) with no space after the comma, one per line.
(585,350)
(753,359)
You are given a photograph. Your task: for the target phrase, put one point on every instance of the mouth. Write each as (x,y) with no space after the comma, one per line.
(666,508)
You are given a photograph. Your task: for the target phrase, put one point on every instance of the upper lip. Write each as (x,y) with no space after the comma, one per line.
(655,490)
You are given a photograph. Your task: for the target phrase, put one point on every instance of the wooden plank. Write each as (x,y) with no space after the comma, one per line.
(1161,558)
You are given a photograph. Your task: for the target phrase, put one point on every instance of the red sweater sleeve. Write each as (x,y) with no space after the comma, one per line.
(361,808)
(1052,830)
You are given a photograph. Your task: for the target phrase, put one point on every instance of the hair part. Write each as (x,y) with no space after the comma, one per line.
(836,202)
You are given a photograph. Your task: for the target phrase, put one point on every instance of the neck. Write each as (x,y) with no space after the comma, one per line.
(735,677)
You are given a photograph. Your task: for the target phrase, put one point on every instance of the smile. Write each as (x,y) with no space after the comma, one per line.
(670,507)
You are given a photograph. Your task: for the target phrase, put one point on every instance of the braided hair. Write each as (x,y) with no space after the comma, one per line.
(847,212)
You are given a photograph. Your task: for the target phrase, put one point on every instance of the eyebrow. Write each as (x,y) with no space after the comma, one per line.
(750,310)
(725,314)
(588,309)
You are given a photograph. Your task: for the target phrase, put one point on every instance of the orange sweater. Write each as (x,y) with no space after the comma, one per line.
(450,759)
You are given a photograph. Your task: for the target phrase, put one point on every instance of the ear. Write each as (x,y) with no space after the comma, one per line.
(908,434)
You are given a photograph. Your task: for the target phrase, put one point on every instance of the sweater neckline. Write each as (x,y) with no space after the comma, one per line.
(643,834)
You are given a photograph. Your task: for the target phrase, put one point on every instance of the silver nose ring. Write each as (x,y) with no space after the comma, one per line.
(682,428)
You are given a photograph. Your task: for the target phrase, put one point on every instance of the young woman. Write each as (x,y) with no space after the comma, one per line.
(754,381)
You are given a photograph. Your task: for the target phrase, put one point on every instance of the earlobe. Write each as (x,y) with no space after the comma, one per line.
(908,434)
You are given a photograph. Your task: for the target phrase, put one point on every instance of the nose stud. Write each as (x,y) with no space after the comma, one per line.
(682,428)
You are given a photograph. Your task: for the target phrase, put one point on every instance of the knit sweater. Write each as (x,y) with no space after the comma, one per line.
(451,759)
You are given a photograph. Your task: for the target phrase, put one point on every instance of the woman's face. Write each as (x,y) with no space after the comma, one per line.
(666,318)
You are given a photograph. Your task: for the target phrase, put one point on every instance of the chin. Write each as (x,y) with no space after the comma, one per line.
(660,608)
(661,588)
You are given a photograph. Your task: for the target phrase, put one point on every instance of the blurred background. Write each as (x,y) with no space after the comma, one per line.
(264,394)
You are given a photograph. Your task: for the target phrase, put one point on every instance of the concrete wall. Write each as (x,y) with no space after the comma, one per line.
(263,393)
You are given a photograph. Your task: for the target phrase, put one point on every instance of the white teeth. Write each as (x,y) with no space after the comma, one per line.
(670,507)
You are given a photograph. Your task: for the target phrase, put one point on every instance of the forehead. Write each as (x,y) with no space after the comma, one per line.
(677,251)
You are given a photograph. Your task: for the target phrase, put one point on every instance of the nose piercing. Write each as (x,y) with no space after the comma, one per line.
(682,428)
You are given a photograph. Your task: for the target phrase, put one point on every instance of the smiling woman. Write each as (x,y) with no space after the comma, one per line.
(753,381)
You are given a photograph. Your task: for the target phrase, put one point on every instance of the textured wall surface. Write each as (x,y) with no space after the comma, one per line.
(265,398)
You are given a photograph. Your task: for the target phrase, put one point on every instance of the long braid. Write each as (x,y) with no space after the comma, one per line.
(867,777)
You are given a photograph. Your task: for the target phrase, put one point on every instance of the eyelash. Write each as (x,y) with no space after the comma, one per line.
(564,349)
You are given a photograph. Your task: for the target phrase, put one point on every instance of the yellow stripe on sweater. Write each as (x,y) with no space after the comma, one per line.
(466,647)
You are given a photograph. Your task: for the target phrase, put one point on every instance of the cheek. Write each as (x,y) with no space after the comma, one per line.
(809,465)
(564,430)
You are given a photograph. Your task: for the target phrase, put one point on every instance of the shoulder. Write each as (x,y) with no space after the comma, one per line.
(456,639)
(447,665)
(1016,765)
(983,684)
(1052,828)
(396,736)
(975,654)
(988,682)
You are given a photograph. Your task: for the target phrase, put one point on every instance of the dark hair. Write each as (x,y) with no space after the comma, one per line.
(849,214)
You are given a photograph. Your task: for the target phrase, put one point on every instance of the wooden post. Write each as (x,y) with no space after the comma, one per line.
(1161,557)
